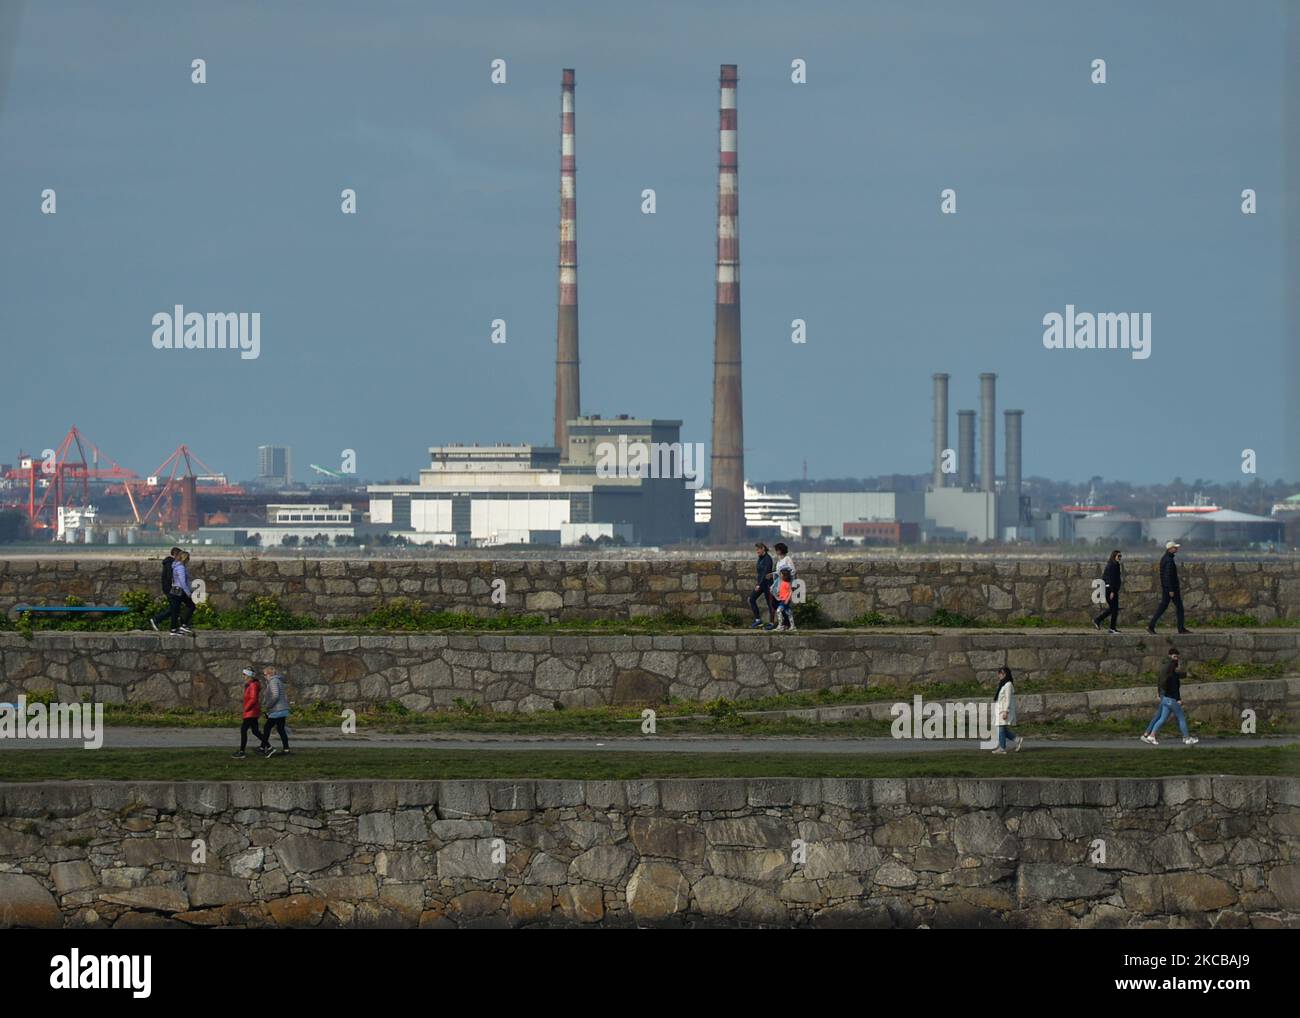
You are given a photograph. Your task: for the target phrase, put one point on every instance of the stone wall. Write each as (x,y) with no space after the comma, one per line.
(1178,852)
(527,673)
(905,588)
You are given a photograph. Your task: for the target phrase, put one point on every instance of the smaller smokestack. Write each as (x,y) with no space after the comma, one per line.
(966,449)
(1012,418)
(940,426)
(988,431)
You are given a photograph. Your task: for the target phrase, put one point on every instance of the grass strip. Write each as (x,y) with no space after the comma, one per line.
(422,764)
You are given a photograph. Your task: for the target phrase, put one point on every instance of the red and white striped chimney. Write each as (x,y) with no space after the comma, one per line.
(728,466)
(566,329)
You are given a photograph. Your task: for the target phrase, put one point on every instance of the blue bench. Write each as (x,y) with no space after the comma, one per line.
(67,609)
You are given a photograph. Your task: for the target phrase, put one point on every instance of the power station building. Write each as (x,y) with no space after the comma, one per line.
(482,496)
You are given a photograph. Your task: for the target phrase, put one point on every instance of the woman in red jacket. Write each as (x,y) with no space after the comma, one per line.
(252,711)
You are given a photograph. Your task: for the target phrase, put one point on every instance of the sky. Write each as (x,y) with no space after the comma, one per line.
(375,327)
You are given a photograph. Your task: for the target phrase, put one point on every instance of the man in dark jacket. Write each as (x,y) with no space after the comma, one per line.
(1112,577)
(1169,689)
(166,587)
(1169,589)
(762,587)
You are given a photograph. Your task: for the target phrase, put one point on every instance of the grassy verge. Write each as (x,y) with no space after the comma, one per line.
(678,716)
(265,614)
(216,765)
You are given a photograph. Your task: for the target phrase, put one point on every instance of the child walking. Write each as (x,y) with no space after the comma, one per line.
(252,710)
(1004,711)
(784,614)
(784,562)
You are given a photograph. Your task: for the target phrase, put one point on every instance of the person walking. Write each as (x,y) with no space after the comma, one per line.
(167,564)
(783,561)
(277,709)
(252,711)
(182,603)
(784,615)
(1169,589)
(762,587)
(1112,577)
(1169,689)
(1004,711)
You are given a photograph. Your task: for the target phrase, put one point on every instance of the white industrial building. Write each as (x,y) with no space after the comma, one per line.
(473,495)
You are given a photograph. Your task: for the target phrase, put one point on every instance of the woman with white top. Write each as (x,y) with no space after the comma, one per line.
(1004,710)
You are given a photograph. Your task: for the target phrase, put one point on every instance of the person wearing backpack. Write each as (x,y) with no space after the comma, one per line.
(1004,710)
(252,711)
(182,603)
(167,564)
(277,709)
(1112,577)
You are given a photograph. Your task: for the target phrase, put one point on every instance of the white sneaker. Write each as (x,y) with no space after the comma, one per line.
(1150,740)
(1000,750)
(1020,741)
(1191,740)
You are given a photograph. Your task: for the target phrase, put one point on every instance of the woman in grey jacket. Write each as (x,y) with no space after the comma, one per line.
(277,709)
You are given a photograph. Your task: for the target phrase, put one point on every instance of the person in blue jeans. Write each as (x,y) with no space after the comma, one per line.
(1170,690)
(1004,711)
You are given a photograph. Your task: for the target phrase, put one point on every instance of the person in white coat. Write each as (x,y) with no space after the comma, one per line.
(1004,711)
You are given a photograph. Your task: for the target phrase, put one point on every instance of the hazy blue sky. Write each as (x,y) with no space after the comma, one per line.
(225,197)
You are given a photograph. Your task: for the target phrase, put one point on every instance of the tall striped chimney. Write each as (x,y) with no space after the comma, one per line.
(566,326)
(728,522)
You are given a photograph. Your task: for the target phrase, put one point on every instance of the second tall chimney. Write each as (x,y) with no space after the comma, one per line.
(728,467)
(966,449)
(566,327)
(988,431)
(1012,469)
(940,426)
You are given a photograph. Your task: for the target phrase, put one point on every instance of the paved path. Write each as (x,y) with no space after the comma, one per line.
(222,738)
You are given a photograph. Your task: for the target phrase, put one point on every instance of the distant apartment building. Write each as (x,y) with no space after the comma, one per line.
(275,465)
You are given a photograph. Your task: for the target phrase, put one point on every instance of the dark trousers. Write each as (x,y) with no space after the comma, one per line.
(1112,609)
(167,609)
(766,594)
(279,727)
(1165,598)
(181,609)
(249,725)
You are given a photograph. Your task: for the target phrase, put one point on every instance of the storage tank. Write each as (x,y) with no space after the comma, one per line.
(1118,530)
(1185,529)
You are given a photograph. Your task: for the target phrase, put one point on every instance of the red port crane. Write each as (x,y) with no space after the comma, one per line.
(161,489)
(64,477)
